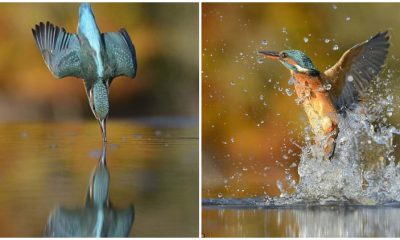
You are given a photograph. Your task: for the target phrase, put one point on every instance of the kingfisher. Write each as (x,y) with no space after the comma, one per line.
(88,54)
(326,95)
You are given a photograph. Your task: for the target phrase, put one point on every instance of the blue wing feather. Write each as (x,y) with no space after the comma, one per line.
(59,49)
(121,53)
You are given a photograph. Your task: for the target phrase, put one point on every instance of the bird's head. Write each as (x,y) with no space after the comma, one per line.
(294,60)
(98,99)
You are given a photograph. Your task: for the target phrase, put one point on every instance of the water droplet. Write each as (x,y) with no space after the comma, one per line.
(350,78)
(348,18)
(327,40)
(264,42)
(261,97)
(284,30)
(291,81)
(232,140)
(335,47)
(260,60)
(244,169)
(334,6)
(232,83)
(298,101)
(220,195)
(328,87)
(305,39)
(288,92)
(389,114)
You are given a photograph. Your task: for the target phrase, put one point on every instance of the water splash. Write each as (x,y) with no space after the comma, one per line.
(363,169)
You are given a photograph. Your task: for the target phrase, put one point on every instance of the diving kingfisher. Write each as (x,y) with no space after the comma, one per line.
(348,80)
(95,57)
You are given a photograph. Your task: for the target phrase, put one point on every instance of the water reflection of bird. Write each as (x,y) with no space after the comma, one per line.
(90,55)
(324,95)
(98,218)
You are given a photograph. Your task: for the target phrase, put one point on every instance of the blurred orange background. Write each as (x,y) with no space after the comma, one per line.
(252,128)
(49,149)
(166,41)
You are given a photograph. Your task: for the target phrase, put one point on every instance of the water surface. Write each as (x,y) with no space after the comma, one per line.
(332,220)
(152,167)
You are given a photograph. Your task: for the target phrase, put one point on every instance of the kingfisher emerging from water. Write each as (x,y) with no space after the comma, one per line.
(347,80)
(95,57)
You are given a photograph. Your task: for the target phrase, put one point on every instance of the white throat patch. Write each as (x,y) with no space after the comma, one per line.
(301,69)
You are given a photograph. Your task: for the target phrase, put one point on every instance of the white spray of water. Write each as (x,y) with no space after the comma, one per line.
(363,169)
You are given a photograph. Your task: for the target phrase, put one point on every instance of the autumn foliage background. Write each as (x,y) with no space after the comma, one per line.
(51,141)
(252,128)
(166,41)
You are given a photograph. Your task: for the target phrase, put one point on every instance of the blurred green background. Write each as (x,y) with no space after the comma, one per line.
(166,41)
(252,129)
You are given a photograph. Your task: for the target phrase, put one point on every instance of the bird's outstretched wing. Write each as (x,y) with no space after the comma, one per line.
(121,53)
(59,49)
(352,74)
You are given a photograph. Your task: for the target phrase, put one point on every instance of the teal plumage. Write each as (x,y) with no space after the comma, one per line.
(301,59)
(95,57)
(348,81)
(100,100)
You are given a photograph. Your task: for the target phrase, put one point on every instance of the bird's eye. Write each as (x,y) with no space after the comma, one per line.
(283,55)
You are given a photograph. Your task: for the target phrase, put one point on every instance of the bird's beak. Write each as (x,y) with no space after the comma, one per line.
(103,158)
(270,54)
(103,129)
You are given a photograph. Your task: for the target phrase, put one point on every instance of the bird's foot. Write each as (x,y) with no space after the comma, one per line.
(329,149)
(330,144)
